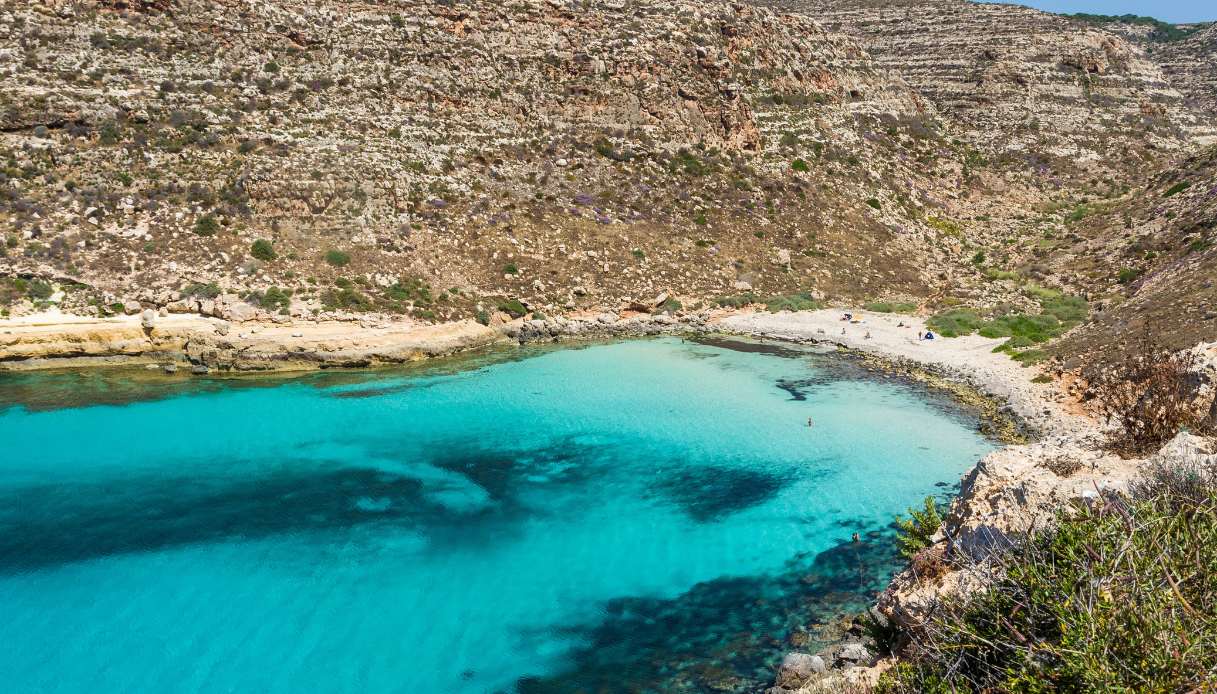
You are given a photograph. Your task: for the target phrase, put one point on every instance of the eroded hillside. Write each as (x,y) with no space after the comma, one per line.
(443,160)
(1053,93)
(439,155)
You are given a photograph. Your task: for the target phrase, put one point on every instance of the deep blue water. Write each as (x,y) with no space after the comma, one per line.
(636,516)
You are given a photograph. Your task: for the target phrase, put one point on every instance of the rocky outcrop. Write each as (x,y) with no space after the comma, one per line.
(1013,492)
(211,344)
(1191,65)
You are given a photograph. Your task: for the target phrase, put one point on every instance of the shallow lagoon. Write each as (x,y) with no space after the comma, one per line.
(637,516)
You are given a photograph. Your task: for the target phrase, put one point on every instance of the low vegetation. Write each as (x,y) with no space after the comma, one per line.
(891,306)
(263,250)
(798,301)
(337,258)
(1054,615)
(1058,314)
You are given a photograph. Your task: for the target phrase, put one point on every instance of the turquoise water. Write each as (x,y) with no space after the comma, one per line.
(637,516)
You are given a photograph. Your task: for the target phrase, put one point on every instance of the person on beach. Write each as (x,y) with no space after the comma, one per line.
(842,331)
(809,424)
(867,335)
(920,335)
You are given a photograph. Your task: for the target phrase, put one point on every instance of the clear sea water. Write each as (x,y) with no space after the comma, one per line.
(636,516)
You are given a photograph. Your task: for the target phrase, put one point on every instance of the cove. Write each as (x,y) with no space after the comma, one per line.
(648,515)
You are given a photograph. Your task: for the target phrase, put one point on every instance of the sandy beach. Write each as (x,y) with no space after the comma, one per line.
(970,357)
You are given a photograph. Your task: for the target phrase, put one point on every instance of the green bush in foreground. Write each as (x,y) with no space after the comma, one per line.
(915,532)
(1120,596)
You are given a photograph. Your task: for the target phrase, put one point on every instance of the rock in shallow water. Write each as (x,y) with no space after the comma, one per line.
(797,668)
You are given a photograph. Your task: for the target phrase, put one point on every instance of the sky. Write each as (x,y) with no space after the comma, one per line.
(1166,10)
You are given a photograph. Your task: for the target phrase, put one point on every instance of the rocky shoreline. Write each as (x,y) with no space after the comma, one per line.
(1009,493)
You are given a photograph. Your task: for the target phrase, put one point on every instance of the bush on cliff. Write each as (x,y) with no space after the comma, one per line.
(915,533)
(1120,596)
(1151,397)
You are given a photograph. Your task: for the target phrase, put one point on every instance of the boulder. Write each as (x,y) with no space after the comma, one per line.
(797,668)
(853,653)
(240,312)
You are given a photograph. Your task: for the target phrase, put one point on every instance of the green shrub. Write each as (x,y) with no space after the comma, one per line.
(206,225)
(671,305)
(1058,314)
(800,166)
(511,269)
(482,316)
(997,275)
(915,532)
(1177,188)
(1078,214)
(1117,596)
(891,307)
(1067,309)
(39,290)
(410,289)
(946,226)
(638,253)
(736,300)
(955,322)
(337,258)
(272,299)
(1127,275)
(801,301)
(513,308)
(348,299)
(263,250)
(874,202)
(202,291)
(1199,245)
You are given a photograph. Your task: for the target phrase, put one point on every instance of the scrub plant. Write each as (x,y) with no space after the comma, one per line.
(915,533)
(1119,595)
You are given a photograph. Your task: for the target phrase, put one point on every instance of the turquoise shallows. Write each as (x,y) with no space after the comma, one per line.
(650,514)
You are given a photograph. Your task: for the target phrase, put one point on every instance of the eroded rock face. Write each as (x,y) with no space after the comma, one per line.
(523,149)
(1023,83)
(1191,65)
